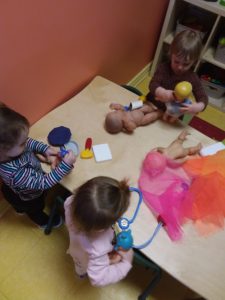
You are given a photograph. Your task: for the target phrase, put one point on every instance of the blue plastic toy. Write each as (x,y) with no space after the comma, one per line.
(62,152)
(124,239)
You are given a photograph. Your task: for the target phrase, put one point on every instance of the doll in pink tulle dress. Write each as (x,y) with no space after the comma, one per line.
(164,183)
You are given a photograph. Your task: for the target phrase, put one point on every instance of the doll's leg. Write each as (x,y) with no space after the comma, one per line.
(151,117)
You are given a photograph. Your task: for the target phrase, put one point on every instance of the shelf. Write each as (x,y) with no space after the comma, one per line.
(217,103)
(213,7)
(213,15)
(208,56)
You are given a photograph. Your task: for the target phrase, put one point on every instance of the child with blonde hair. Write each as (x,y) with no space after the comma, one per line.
(184,51)
(24,181)
(90,215)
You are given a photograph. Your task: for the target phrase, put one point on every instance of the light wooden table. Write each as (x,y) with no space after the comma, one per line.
(197,262)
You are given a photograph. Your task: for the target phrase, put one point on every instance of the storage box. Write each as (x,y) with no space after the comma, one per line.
(213,90)
(220,51)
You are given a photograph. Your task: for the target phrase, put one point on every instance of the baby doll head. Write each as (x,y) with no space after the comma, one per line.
(114,122)
(154,163)
(182,90)
(13,133)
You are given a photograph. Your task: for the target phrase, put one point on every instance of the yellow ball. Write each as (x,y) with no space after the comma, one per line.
(183,90)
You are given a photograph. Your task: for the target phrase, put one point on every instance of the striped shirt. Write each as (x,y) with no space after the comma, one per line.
(25,176)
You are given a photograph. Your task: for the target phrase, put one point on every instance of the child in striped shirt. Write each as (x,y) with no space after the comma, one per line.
(24,182)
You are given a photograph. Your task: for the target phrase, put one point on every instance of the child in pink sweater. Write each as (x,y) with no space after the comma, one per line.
(90,214)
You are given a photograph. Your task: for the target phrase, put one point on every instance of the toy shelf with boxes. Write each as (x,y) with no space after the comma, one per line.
(208,18)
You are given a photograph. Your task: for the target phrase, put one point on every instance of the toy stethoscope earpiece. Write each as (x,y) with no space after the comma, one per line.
(124,239)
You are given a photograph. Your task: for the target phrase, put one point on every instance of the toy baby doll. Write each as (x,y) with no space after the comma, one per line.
(123,120)
(177,152)
(175,109)
(164,183)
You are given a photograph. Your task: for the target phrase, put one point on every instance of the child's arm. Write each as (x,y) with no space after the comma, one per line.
(157,83)
(36,146)
(193,108)
(199,92)
(29,179)
(102,273)
(164,95)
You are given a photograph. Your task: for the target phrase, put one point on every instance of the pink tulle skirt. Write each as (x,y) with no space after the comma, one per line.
(195,191)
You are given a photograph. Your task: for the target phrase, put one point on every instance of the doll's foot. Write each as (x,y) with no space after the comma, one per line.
(182,136)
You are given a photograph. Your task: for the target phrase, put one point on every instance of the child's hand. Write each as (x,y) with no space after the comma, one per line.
(164,95)
(51,151)
(51,156)
(69,158)
(127,255)
(193,108)
(114,257)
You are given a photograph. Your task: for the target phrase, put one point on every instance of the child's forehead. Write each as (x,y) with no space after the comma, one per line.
(182,58)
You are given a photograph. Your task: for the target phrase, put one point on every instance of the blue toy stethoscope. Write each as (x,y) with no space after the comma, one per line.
(124,239)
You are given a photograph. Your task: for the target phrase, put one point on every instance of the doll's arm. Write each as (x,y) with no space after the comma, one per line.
(129,125)
(116,106)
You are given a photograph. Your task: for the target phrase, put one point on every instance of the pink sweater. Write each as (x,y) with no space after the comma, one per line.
(90,253)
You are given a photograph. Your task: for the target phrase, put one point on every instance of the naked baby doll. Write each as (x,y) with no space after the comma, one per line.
(122,120)
(177,152)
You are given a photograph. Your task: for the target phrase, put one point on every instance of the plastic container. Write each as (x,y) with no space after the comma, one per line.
(220,50)
(213,90)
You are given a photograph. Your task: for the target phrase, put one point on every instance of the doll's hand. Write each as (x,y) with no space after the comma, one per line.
(193,108)
(127,255)
(164,95)
(114,257)
(69,158)
(116,106)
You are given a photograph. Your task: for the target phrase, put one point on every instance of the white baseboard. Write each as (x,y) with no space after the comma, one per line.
(145,72)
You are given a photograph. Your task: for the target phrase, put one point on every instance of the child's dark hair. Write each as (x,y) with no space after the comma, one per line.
(11,125)
(100,202)
(187,44)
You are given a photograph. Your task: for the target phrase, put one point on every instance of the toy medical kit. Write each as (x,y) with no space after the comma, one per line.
(124,239)
(102,152)
(87,152)
(73,146)
(62,152)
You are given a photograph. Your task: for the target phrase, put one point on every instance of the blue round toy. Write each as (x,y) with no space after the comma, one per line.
(59,136)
